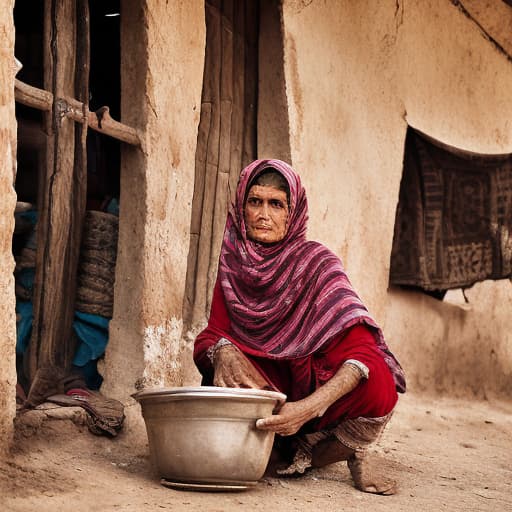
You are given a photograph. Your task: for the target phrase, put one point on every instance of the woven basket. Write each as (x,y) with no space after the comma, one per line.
(97,263)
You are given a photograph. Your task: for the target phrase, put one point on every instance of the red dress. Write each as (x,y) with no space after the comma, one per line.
(298,378)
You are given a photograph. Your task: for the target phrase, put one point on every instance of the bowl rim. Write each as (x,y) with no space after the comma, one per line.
(207,392)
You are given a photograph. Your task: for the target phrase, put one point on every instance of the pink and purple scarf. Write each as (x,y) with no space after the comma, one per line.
(289,299)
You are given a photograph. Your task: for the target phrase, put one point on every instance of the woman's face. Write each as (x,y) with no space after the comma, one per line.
(266,214)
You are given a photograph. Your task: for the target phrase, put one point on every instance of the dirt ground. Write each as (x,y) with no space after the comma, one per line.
(447,454)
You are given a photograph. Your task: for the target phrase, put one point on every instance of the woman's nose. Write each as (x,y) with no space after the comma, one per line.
(264,211)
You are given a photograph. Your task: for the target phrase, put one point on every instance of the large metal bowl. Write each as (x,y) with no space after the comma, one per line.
(205,437)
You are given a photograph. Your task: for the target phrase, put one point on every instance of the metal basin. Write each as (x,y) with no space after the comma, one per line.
(205,437)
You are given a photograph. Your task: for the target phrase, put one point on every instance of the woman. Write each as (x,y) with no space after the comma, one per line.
(284,316)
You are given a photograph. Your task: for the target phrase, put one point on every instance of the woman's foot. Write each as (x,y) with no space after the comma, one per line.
(367,478)
(300,464)
(329,451)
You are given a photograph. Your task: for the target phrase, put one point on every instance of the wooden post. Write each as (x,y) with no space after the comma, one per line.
(62,198)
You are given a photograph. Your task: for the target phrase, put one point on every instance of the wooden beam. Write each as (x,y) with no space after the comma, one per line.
(99,121)
(103,123)
(32,96)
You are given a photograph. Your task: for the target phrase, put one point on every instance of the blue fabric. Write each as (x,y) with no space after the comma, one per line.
(25,277)
(31,216)
(91,331)
(92,334)
(113,207)
(23,325)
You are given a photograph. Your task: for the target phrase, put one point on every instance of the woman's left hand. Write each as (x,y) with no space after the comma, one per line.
(294,414)
(289,419)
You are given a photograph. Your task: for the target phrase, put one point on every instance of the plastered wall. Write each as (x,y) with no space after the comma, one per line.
(162,70)
(356,74)
(7,204)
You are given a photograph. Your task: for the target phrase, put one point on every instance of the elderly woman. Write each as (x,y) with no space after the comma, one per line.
(284,316)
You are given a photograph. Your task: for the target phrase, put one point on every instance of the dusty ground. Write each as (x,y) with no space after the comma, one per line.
(447,455)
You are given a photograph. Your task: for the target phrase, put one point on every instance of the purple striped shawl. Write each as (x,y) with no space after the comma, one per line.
(289,299)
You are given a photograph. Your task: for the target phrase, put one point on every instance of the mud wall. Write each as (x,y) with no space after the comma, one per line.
(7,204)
(356,74)
(162,68)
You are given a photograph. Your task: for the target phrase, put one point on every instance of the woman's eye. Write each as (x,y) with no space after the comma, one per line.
(277,204)
(253,201)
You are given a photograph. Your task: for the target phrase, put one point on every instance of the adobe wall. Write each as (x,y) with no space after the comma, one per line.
(356,74)
(162,71)
(7,204)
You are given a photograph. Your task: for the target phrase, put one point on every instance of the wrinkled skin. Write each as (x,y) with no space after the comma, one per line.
(266,214)
(293,415)
(233,369)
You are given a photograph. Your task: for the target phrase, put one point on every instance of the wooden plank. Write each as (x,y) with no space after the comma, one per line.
(211,91)
(197,213)
(200,167)
(251,82)
(220,205)
(101,121)
(64,193)
(226,86)
(207,154)
(211,94)
(32,96)
(237,116)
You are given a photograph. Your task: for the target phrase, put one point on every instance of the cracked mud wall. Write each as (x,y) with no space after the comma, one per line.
(7,174)
(356,74)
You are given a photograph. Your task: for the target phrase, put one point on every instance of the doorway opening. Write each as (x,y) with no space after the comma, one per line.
(244,116)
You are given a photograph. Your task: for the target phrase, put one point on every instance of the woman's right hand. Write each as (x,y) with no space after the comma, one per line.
(234,370)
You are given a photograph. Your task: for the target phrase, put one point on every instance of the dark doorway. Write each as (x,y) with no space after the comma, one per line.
(93,223)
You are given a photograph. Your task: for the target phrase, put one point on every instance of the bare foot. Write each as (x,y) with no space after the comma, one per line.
(330,450)
(367,478)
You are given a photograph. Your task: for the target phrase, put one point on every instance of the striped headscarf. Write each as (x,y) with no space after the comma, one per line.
(288,299)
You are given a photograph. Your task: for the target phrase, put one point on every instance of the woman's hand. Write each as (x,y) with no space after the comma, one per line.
(293,415)
(290,418)
(234,370)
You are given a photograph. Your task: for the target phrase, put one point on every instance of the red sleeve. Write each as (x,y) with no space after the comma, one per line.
(358,343)
(218,327)
(373,397)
